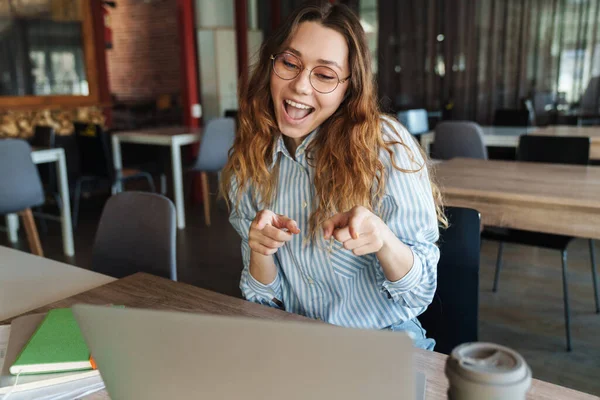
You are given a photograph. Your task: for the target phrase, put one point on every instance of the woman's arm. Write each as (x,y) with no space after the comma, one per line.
(404,234)
(262,268)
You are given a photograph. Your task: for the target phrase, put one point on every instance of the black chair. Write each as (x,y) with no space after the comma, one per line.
(231,114)
(548,149)
(95,163)
(452,317)
(136,234)
(511,117)
(544,104)
(44,137)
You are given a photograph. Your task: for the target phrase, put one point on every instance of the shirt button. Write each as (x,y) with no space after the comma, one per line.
(310,280)
(304,205)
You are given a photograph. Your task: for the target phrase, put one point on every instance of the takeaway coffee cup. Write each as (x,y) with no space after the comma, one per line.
(487,371)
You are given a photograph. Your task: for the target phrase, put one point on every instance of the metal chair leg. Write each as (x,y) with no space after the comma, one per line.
(57,199)
(76,200)
(141,175)
(150,182)
(594,275)
(163,184)
(566,299)
(498,266)
(41,222)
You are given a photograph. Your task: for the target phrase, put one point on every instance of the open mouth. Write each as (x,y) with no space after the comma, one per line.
(297,111)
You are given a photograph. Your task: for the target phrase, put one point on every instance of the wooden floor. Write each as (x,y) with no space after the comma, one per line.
(526,314)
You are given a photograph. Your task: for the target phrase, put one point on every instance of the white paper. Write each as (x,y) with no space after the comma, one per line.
(68,390)
(4,335)
(64,391)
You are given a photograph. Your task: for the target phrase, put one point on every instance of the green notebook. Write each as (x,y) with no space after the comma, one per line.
(56,346)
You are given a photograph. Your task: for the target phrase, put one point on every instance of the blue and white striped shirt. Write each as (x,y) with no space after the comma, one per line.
(337,286)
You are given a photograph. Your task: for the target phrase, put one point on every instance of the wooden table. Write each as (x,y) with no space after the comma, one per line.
(28,281)
(593,132)
(550,198)
(55,155)
(174,137)
(147,291)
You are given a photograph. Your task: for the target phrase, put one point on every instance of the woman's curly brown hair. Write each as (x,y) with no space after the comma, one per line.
(346,150)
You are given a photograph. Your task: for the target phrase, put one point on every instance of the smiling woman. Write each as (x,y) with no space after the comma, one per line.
(333,200)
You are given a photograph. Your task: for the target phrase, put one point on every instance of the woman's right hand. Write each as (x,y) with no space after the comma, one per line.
(270,231)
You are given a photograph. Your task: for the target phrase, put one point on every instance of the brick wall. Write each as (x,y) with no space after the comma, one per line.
(145,59)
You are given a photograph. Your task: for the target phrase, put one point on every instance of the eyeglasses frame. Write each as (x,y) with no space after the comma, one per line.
(274,56)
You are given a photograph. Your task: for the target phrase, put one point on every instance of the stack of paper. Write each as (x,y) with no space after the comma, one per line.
(55,386)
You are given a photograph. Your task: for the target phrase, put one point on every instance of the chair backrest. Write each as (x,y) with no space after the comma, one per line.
(511,117)
(217,139)
(94,152)
(43,136)
(543,102)
(554,149)
(136,234)
(452,317)
(231,113)
(415,121)
(528,103)
(20,184)
(459,139)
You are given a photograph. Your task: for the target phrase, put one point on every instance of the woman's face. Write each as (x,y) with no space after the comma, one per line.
(299,108)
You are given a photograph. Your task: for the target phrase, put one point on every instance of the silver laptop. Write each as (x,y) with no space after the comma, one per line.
(145,354)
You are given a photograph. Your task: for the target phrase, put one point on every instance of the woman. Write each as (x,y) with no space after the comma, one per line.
(332,200)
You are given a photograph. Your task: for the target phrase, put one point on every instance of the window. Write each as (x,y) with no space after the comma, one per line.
(41,48)
(369,22)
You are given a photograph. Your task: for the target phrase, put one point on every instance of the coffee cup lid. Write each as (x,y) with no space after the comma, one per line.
(488,363)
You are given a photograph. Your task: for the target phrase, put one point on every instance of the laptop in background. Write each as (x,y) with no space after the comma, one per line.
(146,354)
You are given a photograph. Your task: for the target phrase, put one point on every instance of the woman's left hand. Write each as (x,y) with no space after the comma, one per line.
(358,230)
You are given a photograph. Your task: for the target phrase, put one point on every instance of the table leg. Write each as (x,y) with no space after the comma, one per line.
(178,183)
(12,223)
(117,163)
(65,211)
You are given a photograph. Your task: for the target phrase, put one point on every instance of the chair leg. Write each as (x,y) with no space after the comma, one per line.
(150,182)
(498,266)
(205,197)
(57,199)
(566,299)
(42,222)
(32,234)
(76,200)
(594,275)
(163,184)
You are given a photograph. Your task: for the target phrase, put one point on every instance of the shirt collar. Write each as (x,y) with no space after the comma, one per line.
(280,147)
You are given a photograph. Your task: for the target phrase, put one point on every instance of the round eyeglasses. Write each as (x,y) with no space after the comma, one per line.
(323,79)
